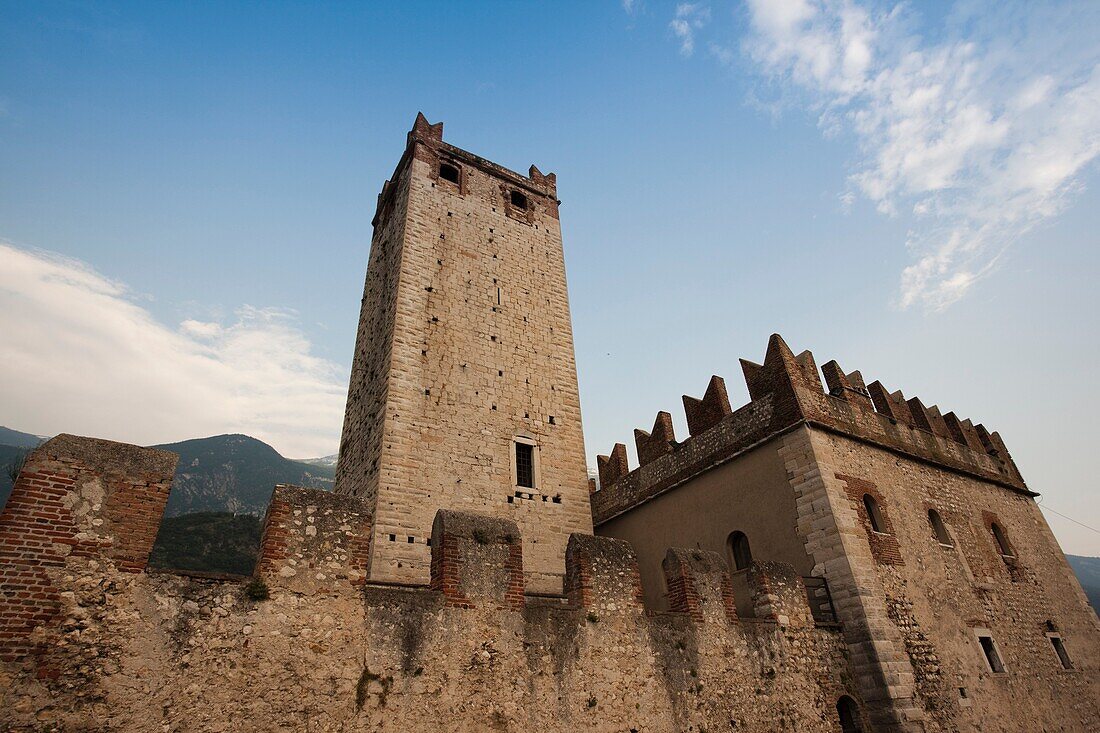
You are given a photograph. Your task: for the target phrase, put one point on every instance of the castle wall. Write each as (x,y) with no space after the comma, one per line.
(748,493)
(480,352)
(911,608)
(139,651)
(937,596)
(75,498)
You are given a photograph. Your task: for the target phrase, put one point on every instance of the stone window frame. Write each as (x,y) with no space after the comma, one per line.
(732,549)
(527,215)
(942,526)
(884,544)
(536,463)
(980,632)
(1058,646)
(873,509)
(998,543)
(461,187)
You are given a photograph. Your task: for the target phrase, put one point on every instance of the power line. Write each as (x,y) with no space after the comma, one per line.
(1063,516)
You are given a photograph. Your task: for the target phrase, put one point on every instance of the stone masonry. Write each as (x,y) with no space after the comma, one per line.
(465,346)
(870,474)
(320,650)
(830,562)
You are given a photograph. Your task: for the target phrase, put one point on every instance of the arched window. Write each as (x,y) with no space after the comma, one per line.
(1002,542)
(873,513)
(448,172)
(848,712)
(938,528)
(519,200)
(739,550)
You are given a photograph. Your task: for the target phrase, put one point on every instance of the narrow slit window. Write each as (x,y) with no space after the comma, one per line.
(992,656)
(1002,541)
(519,201)
(525,465)
(1060,650)
(939,530)
(873,513)
(448,172)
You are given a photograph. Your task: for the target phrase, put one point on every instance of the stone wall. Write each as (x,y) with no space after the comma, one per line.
(475,350)
(171,652)
(83,499)
(936,596)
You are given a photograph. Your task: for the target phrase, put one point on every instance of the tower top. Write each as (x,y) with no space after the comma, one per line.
(426,133)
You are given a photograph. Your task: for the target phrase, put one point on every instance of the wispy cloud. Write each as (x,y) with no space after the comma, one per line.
(690,17)
(79,354)
(978,136)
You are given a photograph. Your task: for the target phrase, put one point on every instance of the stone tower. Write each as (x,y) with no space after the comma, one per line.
(463,389)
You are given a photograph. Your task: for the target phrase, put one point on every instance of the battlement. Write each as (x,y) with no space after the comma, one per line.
(76,497)
(425,142)
(92,500)
(786,391)
(76,534)
(314,541)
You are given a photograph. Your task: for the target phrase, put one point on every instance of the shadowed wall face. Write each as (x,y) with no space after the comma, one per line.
(749,494)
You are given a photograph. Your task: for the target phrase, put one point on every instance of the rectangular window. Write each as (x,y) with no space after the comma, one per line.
(1060,650)
(525,465)
(992,656)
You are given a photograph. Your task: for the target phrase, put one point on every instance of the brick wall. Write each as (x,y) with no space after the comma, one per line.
(75,499)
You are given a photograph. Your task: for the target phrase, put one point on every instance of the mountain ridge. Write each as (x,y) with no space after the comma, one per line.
(232,473)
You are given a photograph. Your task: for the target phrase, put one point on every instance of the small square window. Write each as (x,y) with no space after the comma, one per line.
(525,465)
(519,200)
(448,172)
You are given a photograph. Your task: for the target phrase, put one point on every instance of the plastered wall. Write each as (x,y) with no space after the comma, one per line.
(748,494)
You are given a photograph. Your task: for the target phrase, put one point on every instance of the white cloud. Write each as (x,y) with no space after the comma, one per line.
(690,17)
(630,6)
(80,355)
(980,135)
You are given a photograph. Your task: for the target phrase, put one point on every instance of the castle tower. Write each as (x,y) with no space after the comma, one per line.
(463,389)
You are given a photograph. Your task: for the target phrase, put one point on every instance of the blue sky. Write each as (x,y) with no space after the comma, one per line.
(186,192)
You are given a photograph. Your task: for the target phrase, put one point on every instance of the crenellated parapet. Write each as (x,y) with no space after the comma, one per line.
(614,466)
(713,408)
(779,594)
(477,561)
(699,585)
(601,573)
(786,391)
(657,442)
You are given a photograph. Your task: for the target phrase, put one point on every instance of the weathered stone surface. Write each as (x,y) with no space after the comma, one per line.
(465,344)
